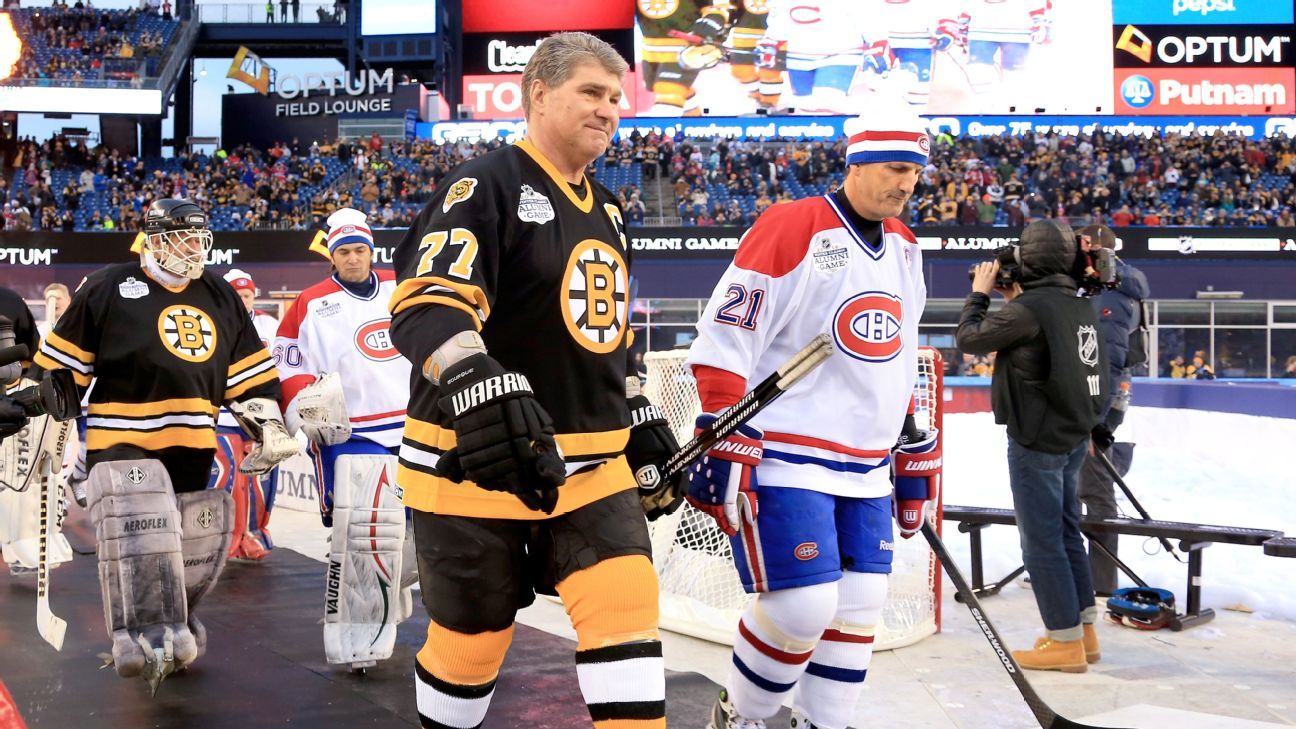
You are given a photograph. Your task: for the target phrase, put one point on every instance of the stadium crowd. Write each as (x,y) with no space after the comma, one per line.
(80,43)
(1193,180)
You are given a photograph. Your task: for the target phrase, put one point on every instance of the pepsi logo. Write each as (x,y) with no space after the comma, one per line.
(373,339)
(868,326)
(806,551)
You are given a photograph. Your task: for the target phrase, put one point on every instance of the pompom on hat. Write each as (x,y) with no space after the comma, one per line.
(896,135)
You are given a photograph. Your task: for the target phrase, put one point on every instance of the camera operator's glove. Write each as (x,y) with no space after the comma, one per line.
(261,420)
(1103,438)
(879,58)
(651,444)
(723,484)
(504,438)
(12,417)
(917,471)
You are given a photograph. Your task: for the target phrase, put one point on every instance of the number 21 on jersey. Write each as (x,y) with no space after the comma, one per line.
(741,308)
(435,242)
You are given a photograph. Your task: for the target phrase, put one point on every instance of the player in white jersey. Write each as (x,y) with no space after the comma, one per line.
(805,491)
(346,387)
(253,494)
(1001,34)
(915,30)
(825,45)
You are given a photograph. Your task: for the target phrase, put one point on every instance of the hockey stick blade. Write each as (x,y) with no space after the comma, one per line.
(767,391)
(1046,716)
(50,626)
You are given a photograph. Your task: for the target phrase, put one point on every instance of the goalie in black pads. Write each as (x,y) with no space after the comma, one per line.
(520,451)
(167,344)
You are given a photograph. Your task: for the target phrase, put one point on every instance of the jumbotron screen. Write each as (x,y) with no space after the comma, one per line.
(398,17)
(843,56)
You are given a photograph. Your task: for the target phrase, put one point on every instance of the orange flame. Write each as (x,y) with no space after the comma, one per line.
(10,46)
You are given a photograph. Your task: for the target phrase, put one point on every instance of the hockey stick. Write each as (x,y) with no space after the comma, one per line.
(50,626)
(1047,717)
(1111,470)
(767,391)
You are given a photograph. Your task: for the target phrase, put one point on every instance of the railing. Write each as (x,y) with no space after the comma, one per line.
(331,13)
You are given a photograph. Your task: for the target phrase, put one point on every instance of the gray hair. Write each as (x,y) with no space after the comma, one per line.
(557,57)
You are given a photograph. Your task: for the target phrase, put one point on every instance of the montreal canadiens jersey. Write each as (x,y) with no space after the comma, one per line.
(539,267)
(329,329)
(265,326)
(1004,21)
(802,270)
(163,362)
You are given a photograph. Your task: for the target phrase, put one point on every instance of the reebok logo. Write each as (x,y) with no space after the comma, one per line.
(645,414)
(746,450)
(487,390)
(885,546)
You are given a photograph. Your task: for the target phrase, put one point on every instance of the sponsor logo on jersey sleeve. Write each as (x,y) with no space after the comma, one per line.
(188,332)
(534,207)
(132,288)
(867,326)
(461,190)
(373,339)
(596,296)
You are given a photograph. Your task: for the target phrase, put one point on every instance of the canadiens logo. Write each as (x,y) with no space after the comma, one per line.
(373,339)
(868,326)
(188,332)
(461,190)
(924,144)
(596,296)
(806,551)
(534,207)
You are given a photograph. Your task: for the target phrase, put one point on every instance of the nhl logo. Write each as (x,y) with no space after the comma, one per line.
(534,207)
(132,289)
(1186,245)
(1088,349)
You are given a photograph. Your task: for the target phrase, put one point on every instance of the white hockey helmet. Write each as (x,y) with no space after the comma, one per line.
(176,235)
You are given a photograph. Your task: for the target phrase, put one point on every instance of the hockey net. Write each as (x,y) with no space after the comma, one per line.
(700,592)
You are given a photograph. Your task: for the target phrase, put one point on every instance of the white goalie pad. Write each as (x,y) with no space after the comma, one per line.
(21,453)
(141,571)
(21,456)
(20,530)
(320,412)
(361,593)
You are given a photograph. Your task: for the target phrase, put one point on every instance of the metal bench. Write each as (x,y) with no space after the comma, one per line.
(1193,538)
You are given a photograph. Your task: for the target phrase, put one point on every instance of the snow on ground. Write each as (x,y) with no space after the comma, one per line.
(1194,466)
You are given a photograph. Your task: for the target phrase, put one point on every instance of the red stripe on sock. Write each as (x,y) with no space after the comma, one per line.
(770,651)
(840,637)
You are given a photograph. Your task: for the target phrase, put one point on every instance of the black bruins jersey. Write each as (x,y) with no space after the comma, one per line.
(539,266)
(162,362)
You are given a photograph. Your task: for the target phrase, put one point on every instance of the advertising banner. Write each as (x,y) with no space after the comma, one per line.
(504,16)
(1141,46)
(499,95)
(953,57)
(486,53)
(1206,91)
(1201,12)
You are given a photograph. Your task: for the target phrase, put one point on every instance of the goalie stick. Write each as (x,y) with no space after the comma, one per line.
(50,626)
(767,391)
(1047,717)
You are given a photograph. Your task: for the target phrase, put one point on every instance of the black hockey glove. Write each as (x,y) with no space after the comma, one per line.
(1102,437)
(505,439)
(12,417)
(651,444)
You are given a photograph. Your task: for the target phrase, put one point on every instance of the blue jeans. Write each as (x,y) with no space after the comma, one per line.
(1053,549)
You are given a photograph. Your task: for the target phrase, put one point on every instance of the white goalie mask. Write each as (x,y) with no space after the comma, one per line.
(176,237)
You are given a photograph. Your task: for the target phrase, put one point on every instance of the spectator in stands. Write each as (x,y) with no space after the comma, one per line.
(1290,372)
(269,8)
(1200,369)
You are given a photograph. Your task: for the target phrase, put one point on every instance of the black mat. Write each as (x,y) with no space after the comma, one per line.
(265,664)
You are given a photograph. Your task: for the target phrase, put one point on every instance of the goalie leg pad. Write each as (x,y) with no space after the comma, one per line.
(20,530)
(361,600)
(230,449)
(141,571)
(206,519)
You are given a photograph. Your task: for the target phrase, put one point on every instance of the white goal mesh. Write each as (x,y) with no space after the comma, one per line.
(700,592)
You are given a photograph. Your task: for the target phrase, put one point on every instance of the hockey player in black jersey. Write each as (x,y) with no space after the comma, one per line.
(167,344)
(519,456)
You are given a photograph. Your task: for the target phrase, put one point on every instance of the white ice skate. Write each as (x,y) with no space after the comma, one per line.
(723,716)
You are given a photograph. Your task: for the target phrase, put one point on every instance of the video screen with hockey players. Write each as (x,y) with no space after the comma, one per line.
(734,57)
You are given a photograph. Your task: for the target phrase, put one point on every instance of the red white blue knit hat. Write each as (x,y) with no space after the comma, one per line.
(348,225)
(240,280)
(896,136)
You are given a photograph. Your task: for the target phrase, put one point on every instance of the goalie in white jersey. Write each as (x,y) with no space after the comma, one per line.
(805,489)
(346,387)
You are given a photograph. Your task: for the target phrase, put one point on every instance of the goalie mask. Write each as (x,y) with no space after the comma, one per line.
(176,236)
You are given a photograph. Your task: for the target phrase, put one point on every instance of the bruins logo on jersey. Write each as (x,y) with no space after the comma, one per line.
(461,190)
(658,9)
(757,7)
(596,296)
(188,332)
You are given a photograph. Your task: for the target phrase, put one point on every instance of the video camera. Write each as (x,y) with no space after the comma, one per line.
(1094,269)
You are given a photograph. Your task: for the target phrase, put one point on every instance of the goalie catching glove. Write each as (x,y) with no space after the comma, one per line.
(319,411)
(651,444)
(917,472)
(723,484)
(261,420)
(504,438)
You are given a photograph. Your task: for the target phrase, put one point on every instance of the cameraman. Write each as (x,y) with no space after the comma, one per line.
(1049,387)
(22,327)
(1119,322)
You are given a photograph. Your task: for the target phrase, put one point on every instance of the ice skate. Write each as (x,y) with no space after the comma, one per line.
(723,716)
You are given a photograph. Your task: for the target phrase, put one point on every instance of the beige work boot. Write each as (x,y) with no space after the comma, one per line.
(1054,655)
(1090,640)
